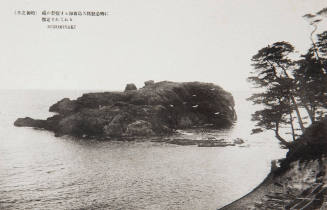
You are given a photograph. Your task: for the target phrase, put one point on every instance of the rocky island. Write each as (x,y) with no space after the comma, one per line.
(154,110)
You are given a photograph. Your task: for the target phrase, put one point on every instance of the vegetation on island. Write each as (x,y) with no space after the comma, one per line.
(157,109)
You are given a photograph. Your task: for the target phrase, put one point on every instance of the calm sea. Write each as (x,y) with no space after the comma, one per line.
(40,171)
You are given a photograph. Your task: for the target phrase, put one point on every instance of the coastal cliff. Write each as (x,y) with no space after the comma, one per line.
(300,182)
(155,109)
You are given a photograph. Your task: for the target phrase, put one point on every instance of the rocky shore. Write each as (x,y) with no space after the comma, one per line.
(157,109)
(297,182)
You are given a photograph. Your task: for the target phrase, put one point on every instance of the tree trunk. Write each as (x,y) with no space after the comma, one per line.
(323,71)
(281,139)
(311,113)
(298,114)
(294,101)
(292,126)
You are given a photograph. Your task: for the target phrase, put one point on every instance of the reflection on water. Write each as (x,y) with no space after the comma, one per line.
(38,170)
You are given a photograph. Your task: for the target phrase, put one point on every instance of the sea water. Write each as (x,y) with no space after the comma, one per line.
(40,171)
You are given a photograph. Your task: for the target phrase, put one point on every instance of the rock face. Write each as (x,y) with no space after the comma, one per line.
(149,82)
(156,109)
(311,145)
(301,180)
(64,106)
(140,128)
(21,122)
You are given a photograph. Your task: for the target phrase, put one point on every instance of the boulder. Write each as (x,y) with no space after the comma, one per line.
(238,141)
(130,86)
(140,128)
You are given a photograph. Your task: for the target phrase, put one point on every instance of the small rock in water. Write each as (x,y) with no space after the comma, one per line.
(238,141)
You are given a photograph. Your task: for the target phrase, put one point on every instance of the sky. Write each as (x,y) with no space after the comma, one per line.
(176,40)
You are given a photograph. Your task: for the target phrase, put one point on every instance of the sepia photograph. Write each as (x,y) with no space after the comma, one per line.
(163,104)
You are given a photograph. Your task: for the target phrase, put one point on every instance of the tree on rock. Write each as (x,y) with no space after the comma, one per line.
(311,86)
(289,87)
(311,74)
(280,103)
(317,46)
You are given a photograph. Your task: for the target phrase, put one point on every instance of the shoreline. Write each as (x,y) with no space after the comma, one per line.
(253,196)
(301,180)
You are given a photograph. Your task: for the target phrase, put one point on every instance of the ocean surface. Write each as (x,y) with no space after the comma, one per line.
(40,171)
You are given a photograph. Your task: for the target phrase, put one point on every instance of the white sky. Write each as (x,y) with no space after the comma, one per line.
(177,40)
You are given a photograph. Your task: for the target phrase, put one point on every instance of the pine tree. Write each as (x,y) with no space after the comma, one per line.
(287,86)
(272,75)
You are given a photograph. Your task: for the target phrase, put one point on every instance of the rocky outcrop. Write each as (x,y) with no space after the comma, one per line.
(149,82)
(156,109)
(21,122)
(64,106)
(205,142)
(140,128)
(300,182)
(130,86)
